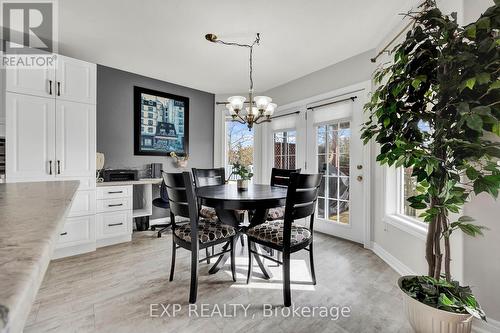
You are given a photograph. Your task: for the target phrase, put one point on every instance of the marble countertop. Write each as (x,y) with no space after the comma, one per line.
(132,182)
(31,216)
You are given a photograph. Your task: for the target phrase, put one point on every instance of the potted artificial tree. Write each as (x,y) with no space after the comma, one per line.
(437,110)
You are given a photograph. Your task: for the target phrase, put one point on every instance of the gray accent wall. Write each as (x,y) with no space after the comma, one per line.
(115,124)
(115,120)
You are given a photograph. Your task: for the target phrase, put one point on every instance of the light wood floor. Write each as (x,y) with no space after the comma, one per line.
(111,290)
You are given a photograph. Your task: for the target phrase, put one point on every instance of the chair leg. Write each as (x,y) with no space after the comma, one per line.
(193,290)
(172,265)
(233,258)
(311,263)
(286,280)
(208,254)
(250,261)
(242,241)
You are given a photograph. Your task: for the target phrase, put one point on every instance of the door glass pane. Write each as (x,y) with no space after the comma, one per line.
(333,161)
(321,208)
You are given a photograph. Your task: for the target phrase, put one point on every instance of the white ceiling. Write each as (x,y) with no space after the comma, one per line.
(164,39)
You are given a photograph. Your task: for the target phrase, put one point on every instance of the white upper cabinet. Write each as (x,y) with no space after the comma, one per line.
(30,148)
(71,80)
(37,82)
(75,80)
(75,139)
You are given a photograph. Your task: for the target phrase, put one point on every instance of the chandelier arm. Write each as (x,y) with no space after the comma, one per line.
(262,121)
(238,121)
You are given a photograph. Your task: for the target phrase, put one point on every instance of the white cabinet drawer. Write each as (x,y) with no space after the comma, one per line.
(113,205)
(110,192)
(83,204)
(114,224)
(77,230)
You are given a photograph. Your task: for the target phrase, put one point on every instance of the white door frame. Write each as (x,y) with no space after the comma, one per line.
(362,91)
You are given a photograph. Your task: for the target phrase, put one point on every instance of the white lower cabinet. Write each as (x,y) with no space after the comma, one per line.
(114,215)
(76,237)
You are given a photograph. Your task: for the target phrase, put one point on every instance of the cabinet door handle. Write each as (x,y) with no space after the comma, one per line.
(58,88)
(114,224)
(115,205)
(115,192)
(50,87)
(58,167)
(64,233)
(50,167)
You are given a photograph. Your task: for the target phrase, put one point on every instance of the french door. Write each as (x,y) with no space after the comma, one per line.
(334,149)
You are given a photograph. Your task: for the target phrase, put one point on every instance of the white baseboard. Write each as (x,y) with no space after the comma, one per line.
(479,326)
(392,261)
(73,250)
(113,240)
(491,326)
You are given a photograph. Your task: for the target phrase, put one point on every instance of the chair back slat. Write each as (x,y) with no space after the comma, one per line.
(209,177)
(300,212)
(281,177)
(306,196)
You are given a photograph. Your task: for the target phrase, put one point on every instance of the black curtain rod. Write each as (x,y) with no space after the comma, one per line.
(286,114)
(330,103)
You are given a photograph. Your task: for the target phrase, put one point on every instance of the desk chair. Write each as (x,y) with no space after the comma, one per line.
(162,202)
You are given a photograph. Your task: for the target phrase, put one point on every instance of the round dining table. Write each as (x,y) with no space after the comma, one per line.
(228,199)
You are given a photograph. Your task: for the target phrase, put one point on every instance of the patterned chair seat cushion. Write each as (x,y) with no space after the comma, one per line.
(276,213)
(272,232)
(208,231)
(210,213)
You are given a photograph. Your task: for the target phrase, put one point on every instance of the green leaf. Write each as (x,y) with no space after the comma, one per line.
(474,122)
(482,110)
(494,85)
(387,122)
(463,108)
(470,83)
(496,128)
(470,31)
(471,173)
(483,78)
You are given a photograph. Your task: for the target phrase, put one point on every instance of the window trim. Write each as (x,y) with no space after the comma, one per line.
(393,197)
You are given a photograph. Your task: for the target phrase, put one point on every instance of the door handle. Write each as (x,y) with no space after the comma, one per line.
(58,167)
(58,88)
(50,87)
(50,167)
(64,234)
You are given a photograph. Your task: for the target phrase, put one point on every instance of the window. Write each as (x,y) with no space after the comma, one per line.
(332,142)
(407,189)
(239,145)
(285,149)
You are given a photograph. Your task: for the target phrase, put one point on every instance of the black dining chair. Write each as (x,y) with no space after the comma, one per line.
(212,177)
(199,233)
(208,177)
(162,202)
(284,235)
(279,177)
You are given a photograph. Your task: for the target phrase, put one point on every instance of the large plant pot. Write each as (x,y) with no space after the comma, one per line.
(426,319)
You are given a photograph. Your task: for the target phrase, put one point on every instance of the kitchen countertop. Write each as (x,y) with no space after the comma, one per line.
(142,181)
(31,217)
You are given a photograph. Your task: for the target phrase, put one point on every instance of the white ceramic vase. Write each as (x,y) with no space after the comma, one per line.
(426,319)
